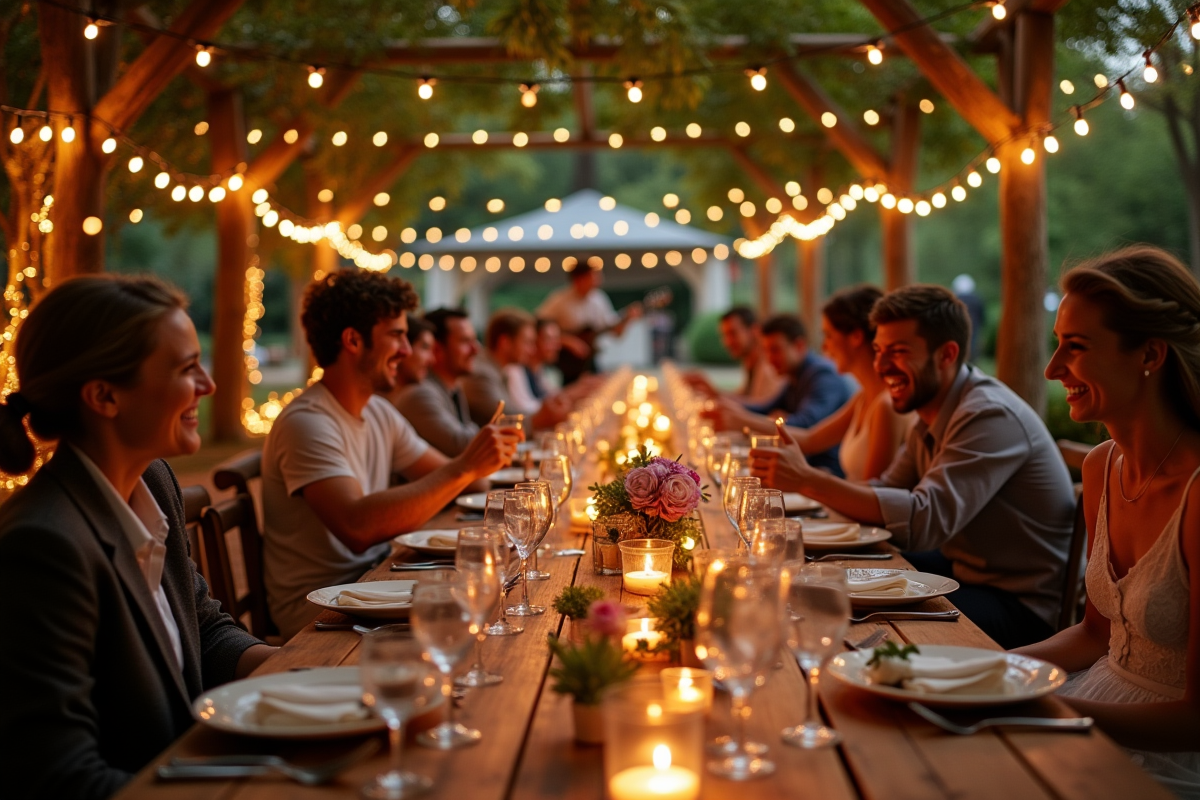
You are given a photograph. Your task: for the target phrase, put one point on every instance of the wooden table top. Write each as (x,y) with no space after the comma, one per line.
(527,752)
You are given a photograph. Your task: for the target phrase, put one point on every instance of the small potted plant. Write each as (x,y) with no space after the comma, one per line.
(573,602)
(675,609)
(587,669)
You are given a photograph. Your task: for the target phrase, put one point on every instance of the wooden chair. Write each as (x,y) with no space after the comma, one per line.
(195,500)
(216,524)
(1073,454)
(237,472)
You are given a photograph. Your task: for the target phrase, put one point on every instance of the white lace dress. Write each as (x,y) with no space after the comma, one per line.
(1148,613)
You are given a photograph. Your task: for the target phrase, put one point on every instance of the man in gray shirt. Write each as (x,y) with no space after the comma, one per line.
(436,406)
(978,492)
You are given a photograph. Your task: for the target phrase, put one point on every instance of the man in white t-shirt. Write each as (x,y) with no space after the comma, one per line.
(583,312)
(328,510)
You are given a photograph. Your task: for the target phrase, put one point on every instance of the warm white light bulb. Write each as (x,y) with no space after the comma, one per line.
(758,81)
(1028,155)
(91,31)
(993,165)
(315,79)
(634,94)
(874,54)
(67,134)
(17,136)
(109,145)
(1050,144)
(1127,101)
(1149,74)
(203,57)
(1081,126)
(999,11)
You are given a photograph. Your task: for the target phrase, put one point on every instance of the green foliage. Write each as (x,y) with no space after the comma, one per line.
(675,609)
(587,669)
(704,340)
(574,601)
(890,649)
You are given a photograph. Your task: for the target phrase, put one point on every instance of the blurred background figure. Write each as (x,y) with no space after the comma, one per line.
(964,289)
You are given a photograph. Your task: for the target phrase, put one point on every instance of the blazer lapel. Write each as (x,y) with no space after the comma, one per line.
(78,483)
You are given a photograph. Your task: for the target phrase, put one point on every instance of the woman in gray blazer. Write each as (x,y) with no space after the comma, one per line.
(108,631)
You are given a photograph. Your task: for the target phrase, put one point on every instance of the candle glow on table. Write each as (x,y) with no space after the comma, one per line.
(686,689)
(646,565)
(647,580)
(644,633)
(659,782)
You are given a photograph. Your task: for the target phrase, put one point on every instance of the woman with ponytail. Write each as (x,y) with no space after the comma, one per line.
(109,632)
(1128,355)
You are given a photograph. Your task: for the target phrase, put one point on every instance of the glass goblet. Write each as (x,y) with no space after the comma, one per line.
(543,507)
(732,498)
(520,523)
(757,504)
(510,575)
(443,627)
(816,619)
(776,540)
(478,567)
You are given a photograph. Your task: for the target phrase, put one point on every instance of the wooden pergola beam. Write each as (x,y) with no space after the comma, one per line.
(946,70)
(986,36)
(899,262)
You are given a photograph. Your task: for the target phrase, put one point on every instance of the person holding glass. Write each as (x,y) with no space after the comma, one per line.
(112,632)
(1128,356)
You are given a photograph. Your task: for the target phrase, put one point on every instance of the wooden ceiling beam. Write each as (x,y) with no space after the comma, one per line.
(986,36)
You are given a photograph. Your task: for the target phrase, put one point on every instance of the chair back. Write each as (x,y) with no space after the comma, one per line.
(237,472)
(217,523)
(1073,590)
(1074,453)
(195,500)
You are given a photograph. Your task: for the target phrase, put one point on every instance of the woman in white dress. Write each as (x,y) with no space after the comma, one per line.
(1128,355)
(867,428)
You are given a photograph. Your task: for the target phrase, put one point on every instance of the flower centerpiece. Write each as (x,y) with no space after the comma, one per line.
(654,498)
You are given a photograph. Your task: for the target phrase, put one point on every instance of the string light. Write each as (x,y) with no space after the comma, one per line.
(1050,144)
(91,30)
(871,116)
(109,145)
(993,165)
(958,193)
(316,77)
(162,180)
(1067,87)
(1127,101)
(926,105)
(1194,18)
(633,90)
(379,139)
(998,10)
(67,134)
(18,135)
(235,182)
(203,56)
(529,93)
(254,136)
(46,133)
(1150,73)
(758,78)
(136,163)
(875,52)
(425,87)
(1028,155)
(1081,125)
(974,179)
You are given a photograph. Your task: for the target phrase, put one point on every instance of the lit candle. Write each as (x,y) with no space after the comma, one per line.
(659,782)
(646,580)
(687,689)
(645,633)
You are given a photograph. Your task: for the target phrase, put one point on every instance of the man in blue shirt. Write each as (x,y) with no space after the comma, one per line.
(813,389)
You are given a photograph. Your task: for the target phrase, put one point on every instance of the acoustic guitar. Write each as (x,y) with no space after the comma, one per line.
(574,367)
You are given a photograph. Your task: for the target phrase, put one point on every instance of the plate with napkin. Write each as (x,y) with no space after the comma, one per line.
(475,501)
(949,676)
(510,476)
(874,588)
(441,542)
(830,535)
(372,599)
(796,503)
(311,704)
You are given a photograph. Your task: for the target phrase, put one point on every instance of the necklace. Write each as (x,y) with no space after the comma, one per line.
(1153,475)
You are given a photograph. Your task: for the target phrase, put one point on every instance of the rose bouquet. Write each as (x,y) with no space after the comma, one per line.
(661,494)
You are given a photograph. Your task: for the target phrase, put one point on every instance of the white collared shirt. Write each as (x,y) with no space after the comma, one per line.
(146,527)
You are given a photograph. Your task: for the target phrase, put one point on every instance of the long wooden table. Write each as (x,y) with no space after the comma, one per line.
(527,752)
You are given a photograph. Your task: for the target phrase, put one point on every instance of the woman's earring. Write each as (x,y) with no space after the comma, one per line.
(1147,373)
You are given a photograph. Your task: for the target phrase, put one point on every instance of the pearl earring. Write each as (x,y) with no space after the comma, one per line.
(1147,373)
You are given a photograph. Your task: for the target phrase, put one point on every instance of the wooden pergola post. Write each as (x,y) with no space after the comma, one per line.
(899,249)
(810,253)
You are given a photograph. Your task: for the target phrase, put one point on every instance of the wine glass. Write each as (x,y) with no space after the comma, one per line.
(757,504)
(543,508)
(713,461)
(777,540)
(557,472)
(760,441)
(520,523)
(510,574)
(477,564)
(493,507)
(732,498)
(397,683)
(514,422)
(732,466)
(816,618)
(442,624)
(738,633)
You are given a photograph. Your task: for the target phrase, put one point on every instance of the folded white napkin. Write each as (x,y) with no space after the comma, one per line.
(365,598)
(822,532)
(982,675)
(794,501)
(439,540)
(895,585)
(306,705)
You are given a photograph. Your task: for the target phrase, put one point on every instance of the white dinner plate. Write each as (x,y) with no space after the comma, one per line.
(231,707)
(1026,678)
(509,475)
(327,598)
(424,541)
(796,503)
(921,586)
(476,501)
(866,535)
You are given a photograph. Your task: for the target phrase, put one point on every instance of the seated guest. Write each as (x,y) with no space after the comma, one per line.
(436,405)
(415,368)
(510,343)
(979,483)
(1128,355)
(111,632)
(740,334)
(328,512)
(867,428)
(545,356)
(813,389)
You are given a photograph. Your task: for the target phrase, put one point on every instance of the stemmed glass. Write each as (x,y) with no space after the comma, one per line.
(557,472)
(757,504)
(442,625)
(478,567)
(510,573)
(543,509)
(521,526)
(732,498)
(738,633)
(731,467)
(816,618)
(776,540)
(397,682)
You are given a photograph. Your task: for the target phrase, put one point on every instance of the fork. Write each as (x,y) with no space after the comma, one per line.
(949,615)
(1075,724)
(871,641)
(850,557)
(246,766)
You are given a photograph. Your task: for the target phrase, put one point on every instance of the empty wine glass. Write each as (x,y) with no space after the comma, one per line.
(760,441)
(397,683)
(816,618)
(777,540)
(493,507)
(557,472)
(442,624)
(757,504)
(738,633)
(478,568)
(543,509)
(521,526)
(732,466)
(713,461)
(514,422)
(510,574)
(734,489)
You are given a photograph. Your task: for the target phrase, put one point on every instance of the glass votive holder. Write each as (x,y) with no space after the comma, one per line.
(703,559)
(646,564)
(642,639)
(650,751)
(578,507)
(686,689)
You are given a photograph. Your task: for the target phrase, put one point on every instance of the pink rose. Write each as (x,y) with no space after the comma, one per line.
(675,468)
(641,484)
(606,618)
(678,497)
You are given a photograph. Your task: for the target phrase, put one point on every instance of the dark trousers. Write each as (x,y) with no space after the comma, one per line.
(998,613)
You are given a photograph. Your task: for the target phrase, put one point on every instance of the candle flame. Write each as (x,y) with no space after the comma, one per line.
(662,757)
(685,681)
(649,563)
(655,710)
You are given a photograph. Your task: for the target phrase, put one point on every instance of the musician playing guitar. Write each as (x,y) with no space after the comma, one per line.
(583,312)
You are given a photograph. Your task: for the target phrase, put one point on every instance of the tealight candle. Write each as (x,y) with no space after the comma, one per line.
(646,564)
(658,782)
(646,581)
(686,689)
(644,632)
